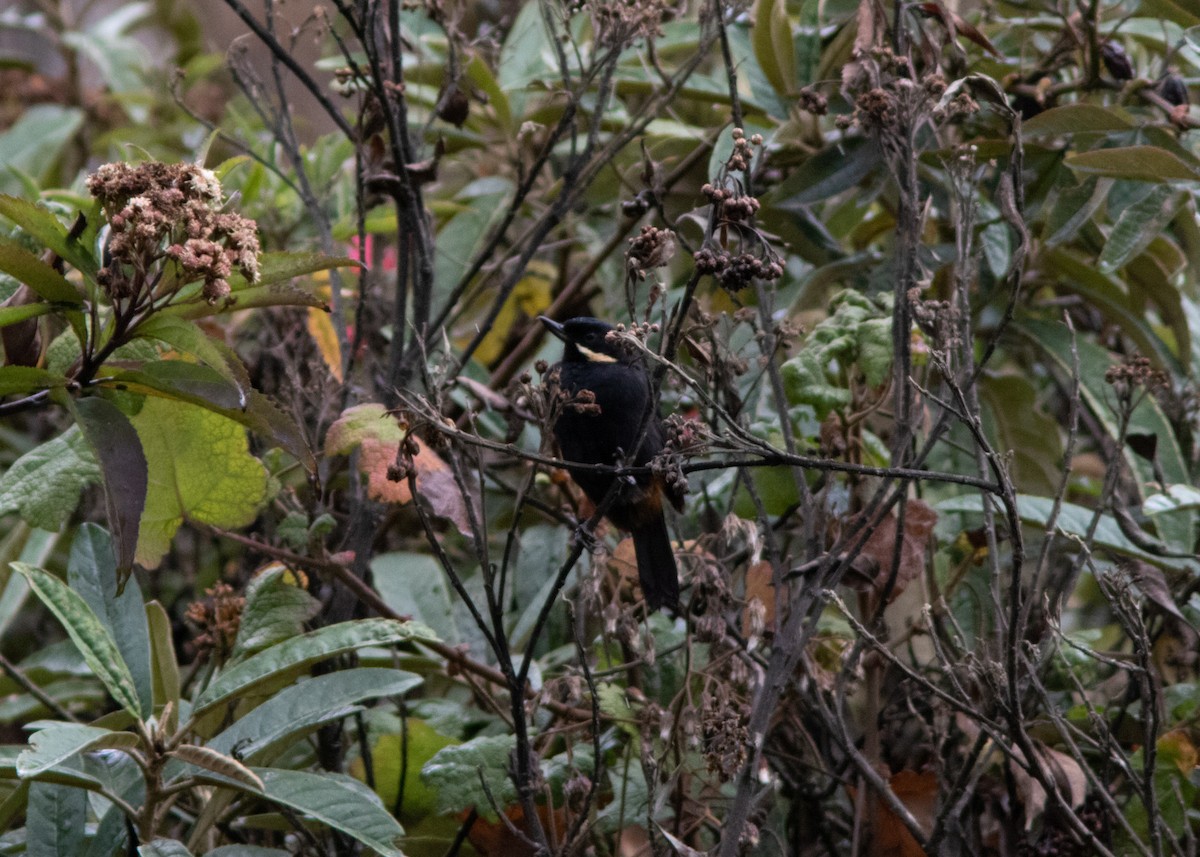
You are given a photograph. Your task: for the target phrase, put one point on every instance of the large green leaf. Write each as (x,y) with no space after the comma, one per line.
(41,224)
(1138,225)
(27,268)
(200,469)
(88,633)
(22,380)
(92,572)
(55,743)
(1073,520)
(298,710)
(1139,163)
(55,820)
(338,801)
(771,37)
(44,484)
(1077,119)
(457,774)
(1176,528)
(291,657)
(34,142)
(1020,429)
(276,610)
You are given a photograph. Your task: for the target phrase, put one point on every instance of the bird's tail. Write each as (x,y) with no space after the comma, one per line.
(656,564)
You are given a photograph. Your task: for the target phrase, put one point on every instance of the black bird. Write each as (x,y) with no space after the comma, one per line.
(626,414)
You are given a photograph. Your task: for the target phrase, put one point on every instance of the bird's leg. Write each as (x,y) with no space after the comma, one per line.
(582,534)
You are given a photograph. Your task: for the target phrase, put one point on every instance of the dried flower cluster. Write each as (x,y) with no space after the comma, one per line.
(1135,373)
(733,220)
(170,213)
(651,248)
(217,618)
(620,23)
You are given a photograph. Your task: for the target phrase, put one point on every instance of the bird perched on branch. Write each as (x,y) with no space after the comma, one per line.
(618,426)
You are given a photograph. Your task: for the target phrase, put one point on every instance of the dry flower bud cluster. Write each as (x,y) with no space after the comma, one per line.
(217,618)
(170,213)
(1136,372)
(650,248)
(733,213)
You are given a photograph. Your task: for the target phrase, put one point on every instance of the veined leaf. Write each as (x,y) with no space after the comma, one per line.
(200,469)
(1139,163)
(87,632)
(56,742)
(301,708)
(293,656)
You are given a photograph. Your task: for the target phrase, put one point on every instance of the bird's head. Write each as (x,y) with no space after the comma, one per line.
(585,340)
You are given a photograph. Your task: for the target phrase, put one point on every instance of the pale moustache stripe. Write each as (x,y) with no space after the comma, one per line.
(595,356)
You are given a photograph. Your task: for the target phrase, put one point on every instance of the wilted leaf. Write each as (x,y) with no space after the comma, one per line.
(320,328)
(378,435)
(123,462)
(919,519)
(1067,774)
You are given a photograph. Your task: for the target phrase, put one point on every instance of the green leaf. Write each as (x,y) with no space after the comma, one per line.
(188,382)
(10,315)
(454,773)
(874,343)
(87,633)
(34,142)
(92,572)
(1137,163)
(277,294)
(402,756)
(1074,207)
(1107,294)
(55,743)
(200,469)
(1175,528)
(414,585)
(338,801)
(165,668)
(1138,225)
(123,461)
(22,380)
(808,43)
(1020,429)
(55,820)
(834,169)
(42,225)
(302,708)
(247,851)
(1073,520)
(281,267)
(276,610)
(164,848)
(1176,497)
(771,37)
(27,268)
(1077,119)
(291,657)
(188,338)
(527,54)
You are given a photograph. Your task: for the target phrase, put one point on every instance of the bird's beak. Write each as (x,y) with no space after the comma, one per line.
(554,327)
